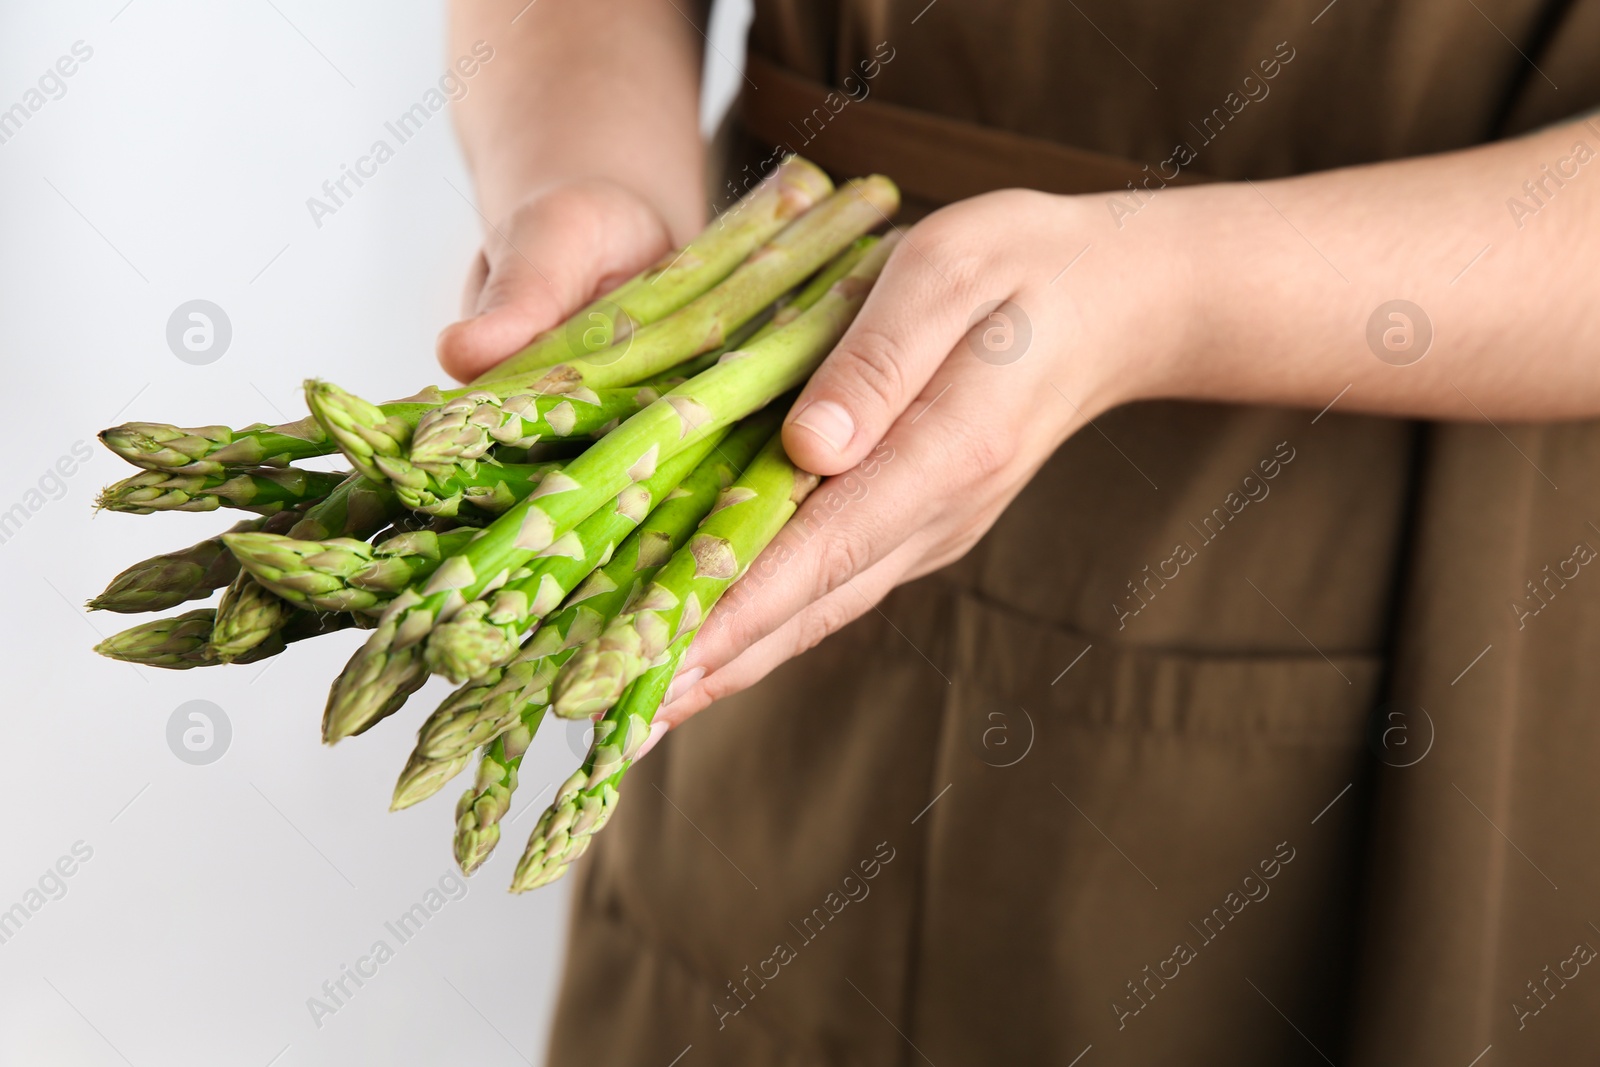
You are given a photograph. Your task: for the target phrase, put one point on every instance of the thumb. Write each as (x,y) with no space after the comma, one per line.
(557,252)
(908,325)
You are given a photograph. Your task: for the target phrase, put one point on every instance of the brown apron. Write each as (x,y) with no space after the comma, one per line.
(1247,736)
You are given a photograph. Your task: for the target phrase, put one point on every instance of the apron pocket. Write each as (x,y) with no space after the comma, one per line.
(1126,840)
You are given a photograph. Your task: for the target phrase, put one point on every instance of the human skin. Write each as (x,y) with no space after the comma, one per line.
(1248,293)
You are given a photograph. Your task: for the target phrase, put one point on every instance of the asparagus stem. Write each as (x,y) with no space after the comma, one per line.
(211,450)
(664,288)
(705,324)
(455,435)
(680,276)
(779,314)
(356,508)
(376,442)
(487,488)
(485,633)
(747,516)
(250,612)
(517,704)
(586,801)
(814,290)
(390,667)
(264,490)
(479,711)
(342,573)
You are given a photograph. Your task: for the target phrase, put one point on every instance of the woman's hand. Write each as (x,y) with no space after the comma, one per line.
(977,353)
(1274,292)
(559,248)
(588,160)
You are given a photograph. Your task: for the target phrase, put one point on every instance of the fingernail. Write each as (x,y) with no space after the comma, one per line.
(829,421)
(682,682)
(658,730)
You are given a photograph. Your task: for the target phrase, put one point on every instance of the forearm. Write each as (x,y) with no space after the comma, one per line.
(1281,278)
(584,88)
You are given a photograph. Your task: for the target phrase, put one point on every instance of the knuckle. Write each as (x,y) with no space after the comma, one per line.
(872,368)
(987,450)
(814,629)
(840,559)
(716,686)
(825,619)
(946,247)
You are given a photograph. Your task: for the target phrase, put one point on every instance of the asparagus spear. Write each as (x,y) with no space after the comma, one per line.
(487,488)
(178,642)
(817,288)
(249,612)
(169,579)
(586,801)
(247,615)
(447,740)
(454,435)
(389,667)
(485,633)
(183,641)
(747,516)
(466,429)
(213,450)
(782,313)
(342,573)
(680,276)
(480,711)
(480,809)
(376,443)
(704,324)
(356,508)
(508,705)
(264,490)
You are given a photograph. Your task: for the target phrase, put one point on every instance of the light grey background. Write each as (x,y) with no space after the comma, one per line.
(219,897)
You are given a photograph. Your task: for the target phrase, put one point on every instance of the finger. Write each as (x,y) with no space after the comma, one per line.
(693,689)
(546,263)
(837,534)
(938,480)
(477,275)
(915,315)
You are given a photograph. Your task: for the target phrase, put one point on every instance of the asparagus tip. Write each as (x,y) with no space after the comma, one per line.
(421,779)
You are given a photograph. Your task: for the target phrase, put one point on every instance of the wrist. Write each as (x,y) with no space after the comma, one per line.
(1132,296)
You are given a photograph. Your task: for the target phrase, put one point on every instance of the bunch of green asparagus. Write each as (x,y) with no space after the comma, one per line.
(550,538)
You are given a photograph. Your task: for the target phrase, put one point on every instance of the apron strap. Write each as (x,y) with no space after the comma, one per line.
(931,157)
